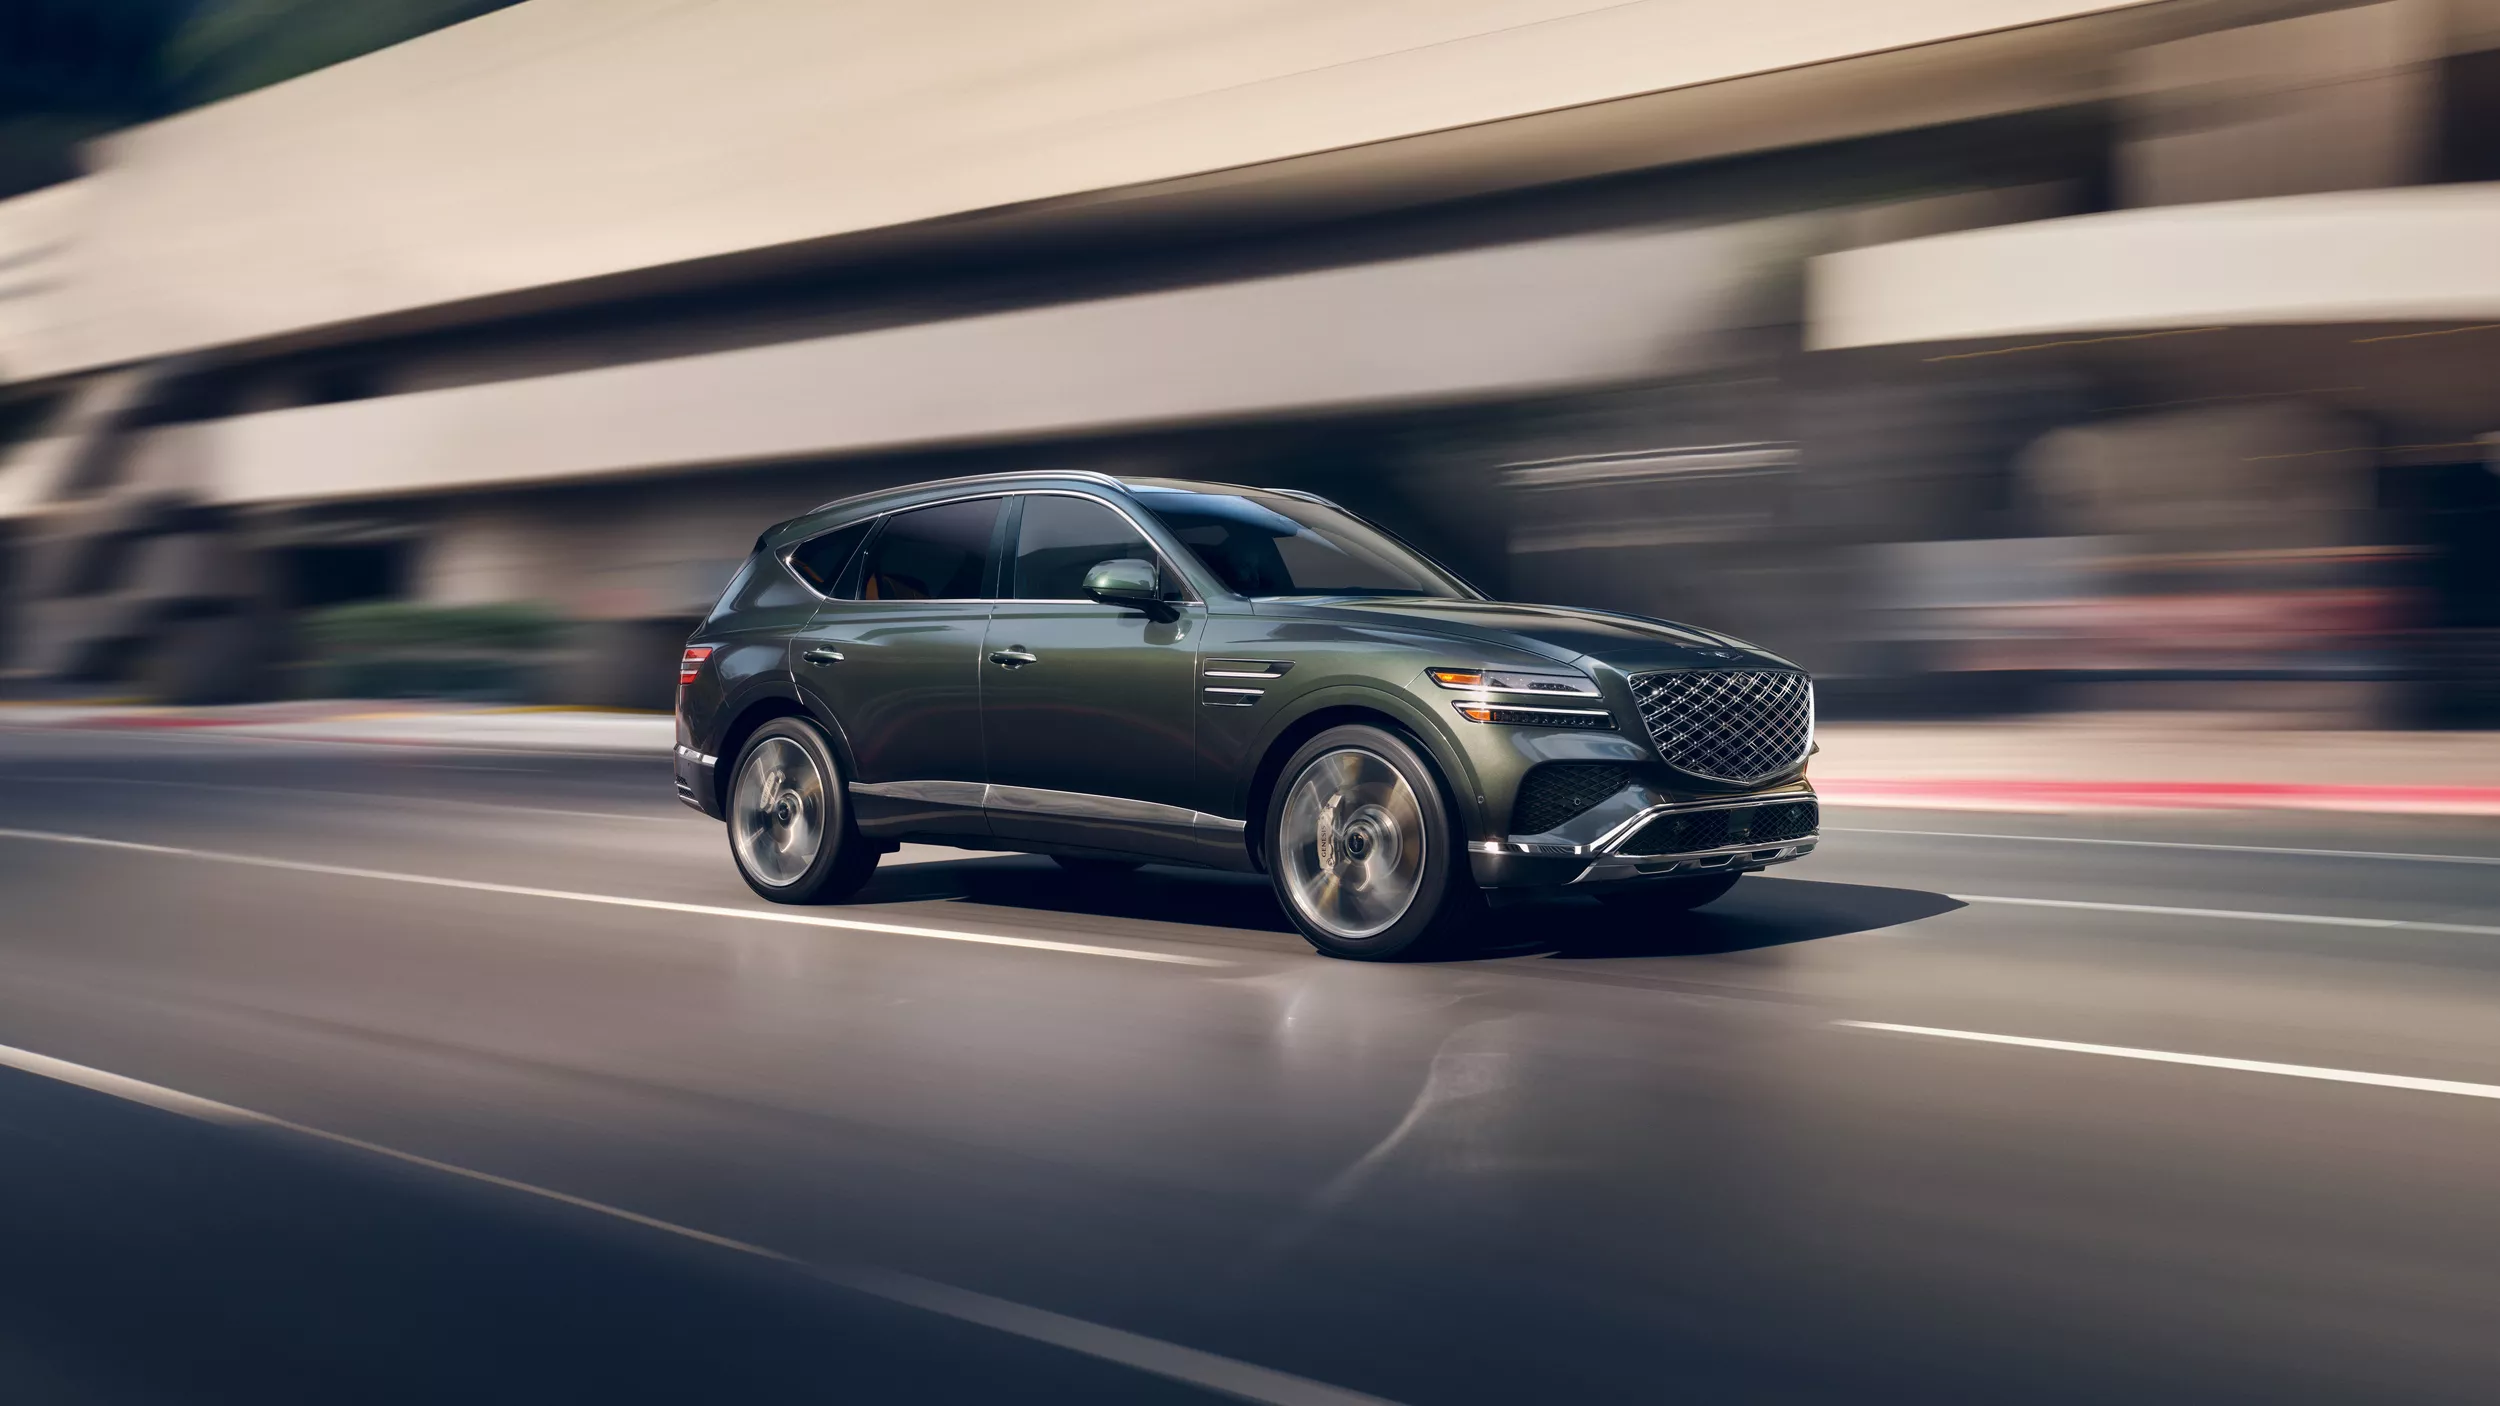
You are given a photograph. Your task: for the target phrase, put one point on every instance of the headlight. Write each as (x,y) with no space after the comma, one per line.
(1516,697)
(1514,681)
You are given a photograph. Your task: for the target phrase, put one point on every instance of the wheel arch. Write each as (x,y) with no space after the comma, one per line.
(755,714)
(1460,787)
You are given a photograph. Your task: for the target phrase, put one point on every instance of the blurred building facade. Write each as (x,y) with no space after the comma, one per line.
(1977,353)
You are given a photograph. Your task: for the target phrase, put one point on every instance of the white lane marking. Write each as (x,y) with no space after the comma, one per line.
(756,915)
(1245,1380)
(2173,844)
(2231,914)
(393,797)
(2245,1066)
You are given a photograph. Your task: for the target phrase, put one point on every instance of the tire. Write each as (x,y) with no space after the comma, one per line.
(1664,897)
(1365,853)
(790,826)
(1092,870)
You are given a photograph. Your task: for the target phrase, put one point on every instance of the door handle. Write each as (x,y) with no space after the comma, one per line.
(1014,657)
(823,656)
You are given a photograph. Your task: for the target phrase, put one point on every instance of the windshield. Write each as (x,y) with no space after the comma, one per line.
(1271,544)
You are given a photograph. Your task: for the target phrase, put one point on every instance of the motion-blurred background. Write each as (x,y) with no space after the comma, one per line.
(1985,356)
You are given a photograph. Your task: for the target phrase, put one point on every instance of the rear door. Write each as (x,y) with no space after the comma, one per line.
(895,663)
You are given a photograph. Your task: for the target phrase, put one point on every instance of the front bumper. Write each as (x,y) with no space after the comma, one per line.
(1623,851)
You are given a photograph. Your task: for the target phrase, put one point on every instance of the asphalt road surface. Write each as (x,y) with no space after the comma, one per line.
(341,1073)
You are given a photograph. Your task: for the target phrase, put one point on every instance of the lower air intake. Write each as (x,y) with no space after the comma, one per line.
(1560,792)
(1772,824)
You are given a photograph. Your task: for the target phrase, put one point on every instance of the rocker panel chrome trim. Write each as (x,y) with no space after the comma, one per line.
(1034,800)
(946,793)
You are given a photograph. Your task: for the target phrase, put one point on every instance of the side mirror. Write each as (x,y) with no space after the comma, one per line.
(1130,583)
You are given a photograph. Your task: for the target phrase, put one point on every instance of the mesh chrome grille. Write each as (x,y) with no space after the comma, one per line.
(1740,725)
(1559,791)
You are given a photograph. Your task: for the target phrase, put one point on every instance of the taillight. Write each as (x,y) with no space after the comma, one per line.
(690,663)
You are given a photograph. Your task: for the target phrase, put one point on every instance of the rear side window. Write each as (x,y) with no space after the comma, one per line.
(819,561)
(934,553)
(1061,539)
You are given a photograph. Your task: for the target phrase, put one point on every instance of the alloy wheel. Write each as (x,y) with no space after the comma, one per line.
(1352,841)
(777,812)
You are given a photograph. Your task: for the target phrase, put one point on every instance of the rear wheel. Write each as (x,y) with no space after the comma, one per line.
(1668,896)
(790,823)
(1364,852)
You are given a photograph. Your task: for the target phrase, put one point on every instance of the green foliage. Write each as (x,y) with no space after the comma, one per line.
(391,649)
(399,628)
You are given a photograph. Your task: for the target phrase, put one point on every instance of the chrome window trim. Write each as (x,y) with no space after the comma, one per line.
(1034,800)
(1012,476)
(783,555)
(1195,597)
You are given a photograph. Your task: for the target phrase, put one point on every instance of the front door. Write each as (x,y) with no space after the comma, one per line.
(1087,709)
(896,665)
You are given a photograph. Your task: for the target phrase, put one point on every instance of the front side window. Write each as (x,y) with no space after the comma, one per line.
(1274,544)
(933,553)
(1062,538)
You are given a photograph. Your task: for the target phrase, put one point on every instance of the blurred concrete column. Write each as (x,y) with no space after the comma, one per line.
(2239,478)
(2344,100)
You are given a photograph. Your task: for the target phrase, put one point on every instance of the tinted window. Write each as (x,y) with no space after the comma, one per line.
(1270,544)
(1063,538)
(939,553)
(819,560)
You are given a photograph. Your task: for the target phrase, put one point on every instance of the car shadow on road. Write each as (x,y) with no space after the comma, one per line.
(1197,897)
(1761,912)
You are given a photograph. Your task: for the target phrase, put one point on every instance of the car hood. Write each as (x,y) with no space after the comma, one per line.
(1567,633)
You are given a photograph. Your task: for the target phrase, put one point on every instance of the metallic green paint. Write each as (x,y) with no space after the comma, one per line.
(1159,720)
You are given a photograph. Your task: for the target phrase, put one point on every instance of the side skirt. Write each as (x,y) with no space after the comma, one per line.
(1046,822)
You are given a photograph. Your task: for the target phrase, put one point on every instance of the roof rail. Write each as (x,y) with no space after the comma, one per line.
(1086,475)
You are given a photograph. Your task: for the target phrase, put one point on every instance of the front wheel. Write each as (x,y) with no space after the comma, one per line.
(1364,852)
(790,821)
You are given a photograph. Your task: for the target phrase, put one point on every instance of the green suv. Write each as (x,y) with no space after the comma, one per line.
(1116,672)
